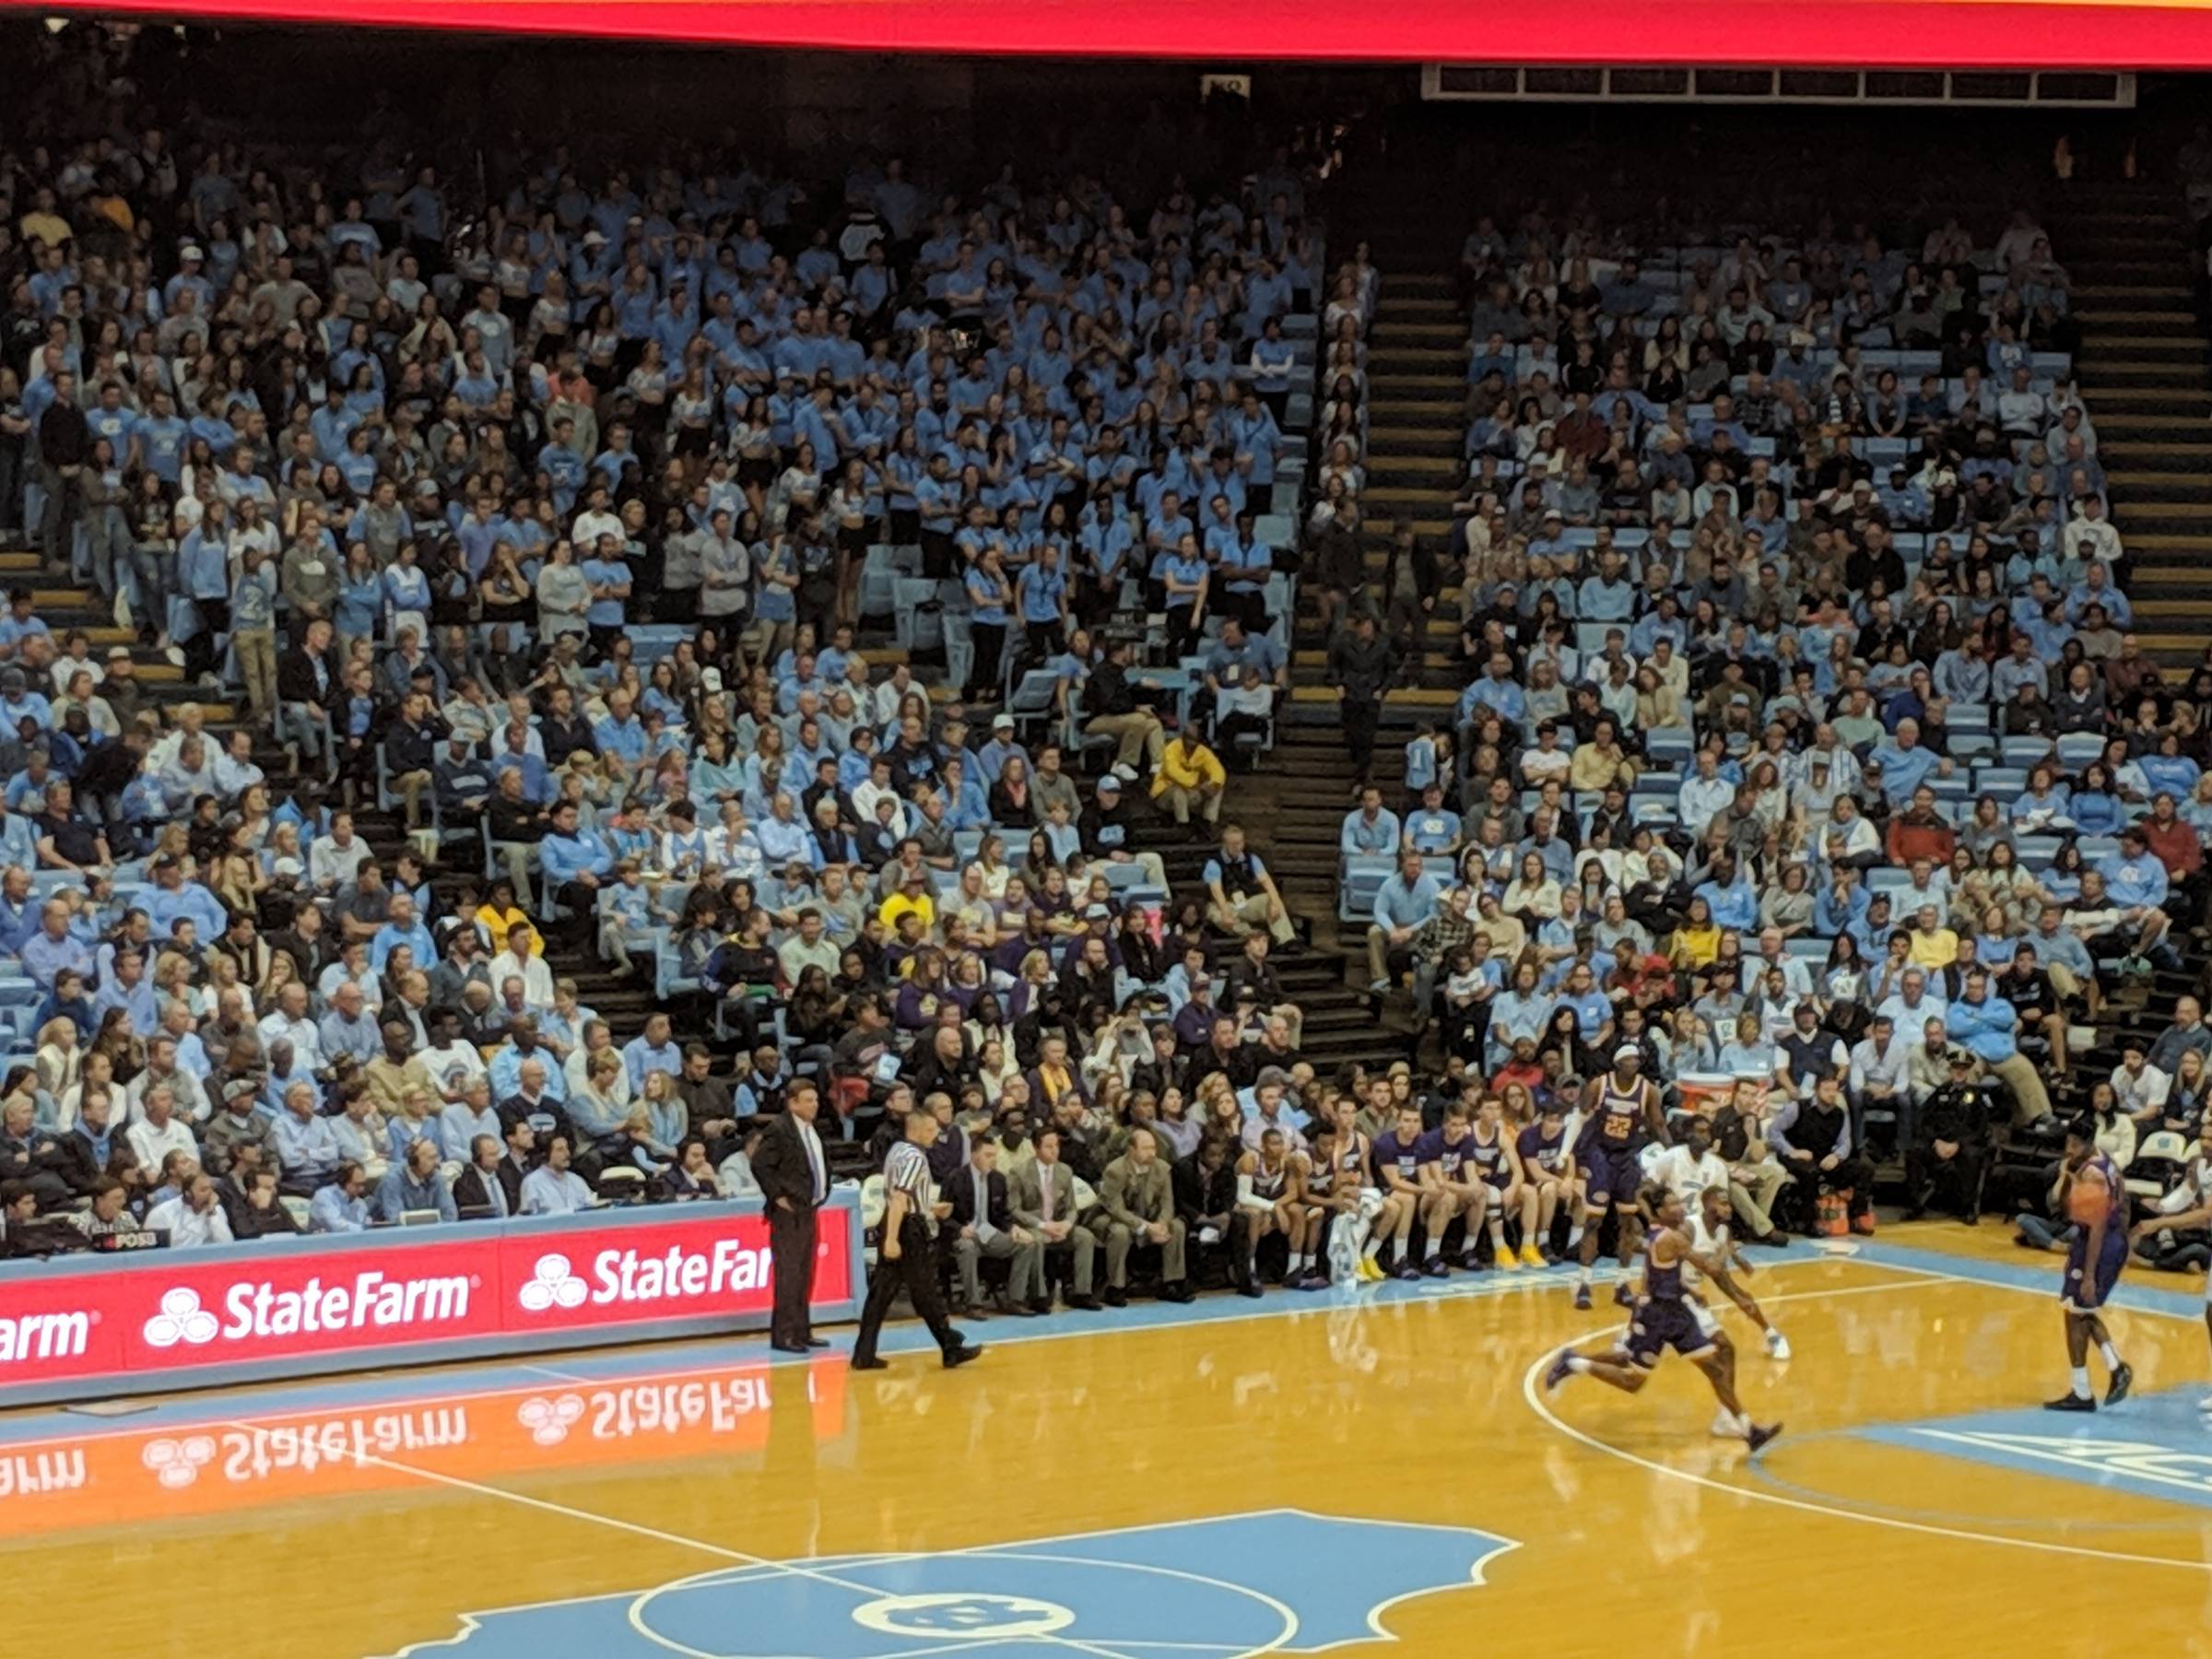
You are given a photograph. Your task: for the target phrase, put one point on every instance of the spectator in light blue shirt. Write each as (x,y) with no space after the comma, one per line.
(1408,898)
(1906,765)
(554,1189)
(338,1207)
(1371,828)
(653,1051)
(415,1184)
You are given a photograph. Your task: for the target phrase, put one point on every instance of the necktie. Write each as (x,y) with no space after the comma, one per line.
(819,1182)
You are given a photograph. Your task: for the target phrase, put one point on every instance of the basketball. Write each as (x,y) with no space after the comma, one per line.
(2087,1198)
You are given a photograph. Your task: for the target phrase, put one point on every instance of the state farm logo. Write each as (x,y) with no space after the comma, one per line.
(254,1310)
(549,1420)
(181,1319)
(628,1277)
(176,1464)
(552,1285)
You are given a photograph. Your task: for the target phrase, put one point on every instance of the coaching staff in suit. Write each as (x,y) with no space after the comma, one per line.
(906,1257)
(794,1183)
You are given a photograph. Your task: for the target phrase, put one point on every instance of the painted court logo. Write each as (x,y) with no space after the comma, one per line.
(552,1285)
(1225,1588)
(181,1319)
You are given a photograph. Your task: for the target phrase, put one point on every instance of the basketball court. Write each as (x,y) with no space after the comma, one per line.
(1332,1471)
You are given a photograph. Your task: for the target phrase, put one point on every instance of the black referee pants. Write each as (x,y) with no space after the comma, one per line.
(916,1272)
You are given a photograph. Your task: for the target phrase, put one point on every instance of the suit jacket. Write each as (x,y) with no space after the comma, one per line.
(780,1163)
(1138,1197)
(471,1196)
(1035,1079)
(960,1194)
(1025,1193)
(296,679)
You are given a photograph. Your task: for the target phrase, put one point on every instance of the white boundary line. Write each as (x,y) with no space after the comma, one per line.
(1531,1390)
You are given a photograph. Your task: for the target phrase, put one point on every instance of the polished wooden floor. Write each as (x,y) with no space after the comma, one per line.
(364,1519)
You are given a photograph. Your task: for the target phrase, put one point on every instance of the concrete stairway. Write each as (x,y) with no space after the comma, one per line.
(2142,369)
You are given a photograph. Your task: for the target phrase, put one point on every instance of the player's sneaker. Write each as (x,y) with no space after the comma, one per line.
(1778,1346)
(1405,1271)
(2123,1379)
(1533,1257)
(1757,1437)
(1371,1271)
(1561,1371)
(1622,1296)
(1503,1259)
(1582,1298)
(1471,1260)
(2070,1401)
(1436,1267)
(1727,1425)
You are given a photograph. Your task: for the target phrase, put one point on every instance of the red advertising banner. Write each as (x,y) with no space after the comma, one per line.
(1937,34)
(179,1317)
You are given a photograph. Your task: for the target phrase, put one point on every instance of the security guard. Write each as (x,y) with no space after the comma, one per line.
(905,1256)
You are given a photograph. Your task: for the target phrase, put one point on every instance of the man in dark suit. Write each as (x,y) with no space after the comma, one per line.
(982,1224)
(795,1181)
(482,1192)
(307,691)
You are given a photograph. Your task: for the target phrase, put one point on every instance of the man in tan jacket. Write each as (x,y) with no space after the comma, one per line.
(1137,1207)
(1041,1192)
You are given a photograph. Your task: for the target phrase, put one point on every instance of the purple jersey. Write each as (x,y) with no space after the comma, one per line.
(1432,1147)
(1490,1158)
(1542,1151)
(1404,1156)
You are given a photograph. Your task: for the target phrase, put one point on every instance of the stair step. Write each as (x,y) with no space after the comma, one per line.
(2138,316)
(2132,291)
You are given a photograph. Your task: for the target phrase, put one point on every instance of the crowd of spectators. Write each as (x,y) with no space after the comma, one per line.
(1805,751)
(550,517)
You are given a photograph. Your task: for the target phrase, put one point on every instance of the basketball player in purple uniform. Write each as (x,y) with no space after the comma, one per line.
(1406,1185)
(1665,1318)
(1506,1192)
(1623,1111)
(1547,1164)
(1454,1190)
(2090,1191)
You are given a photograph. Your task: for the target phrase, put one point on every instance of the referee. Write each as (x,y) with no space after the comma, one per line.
(906,1256)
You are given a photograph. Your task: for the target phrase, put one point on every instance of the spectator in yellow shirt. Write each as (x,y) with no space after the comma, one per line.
(913,897)
(1190,776)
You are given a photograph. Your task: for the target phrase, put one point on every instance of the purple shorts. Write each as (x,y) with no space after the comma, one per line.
(1612,1171)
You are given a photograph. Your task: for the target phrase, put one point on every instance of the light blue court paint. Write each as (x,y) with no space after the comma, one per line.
(2157,1446)
(2142,1289)
(1277,1581)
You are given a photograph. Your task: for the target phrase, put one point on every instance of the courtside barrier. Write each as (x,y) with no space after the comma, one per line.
(78,1326)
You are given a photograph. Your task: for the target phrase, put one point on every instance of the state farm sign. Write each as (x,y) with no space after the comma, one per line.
(169,1319)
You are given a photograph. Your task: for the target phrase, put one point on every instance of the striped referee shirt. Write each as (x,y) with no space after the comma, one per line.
(907,1170)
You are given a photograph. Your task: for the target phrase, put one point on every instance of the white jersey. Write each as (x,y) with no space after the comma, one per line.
(1707,1240)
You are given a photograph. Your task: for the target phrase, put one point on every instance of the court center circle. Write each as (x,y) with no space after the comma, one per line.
(964,1615)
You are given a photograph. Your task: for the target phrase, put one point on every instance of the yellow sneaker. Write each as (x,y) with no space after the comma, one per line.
(1504,1258)
(1371,1271)
(1532,1257)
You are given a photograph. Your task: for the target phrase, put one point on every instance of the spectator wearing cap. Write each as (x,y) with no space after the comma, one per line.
(1109,833)
(1947,1158)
